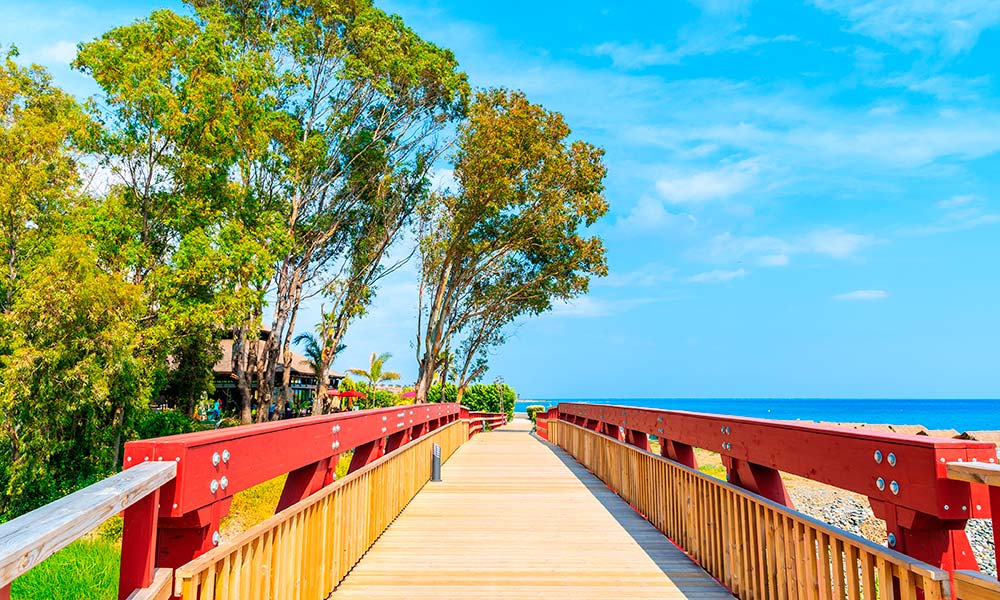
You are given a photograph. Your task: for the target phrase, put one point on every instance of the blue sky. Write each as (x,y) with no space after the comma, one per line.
(804,195)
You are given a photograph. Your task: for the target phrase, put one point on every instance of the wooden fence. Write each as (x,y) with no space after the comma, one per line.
(306,550)
(758,548)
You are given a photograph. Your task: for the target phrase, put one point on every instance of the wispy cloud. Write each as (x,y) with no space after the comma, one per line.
(649,214)
(718,276)
(716,184)
(59,52)
(592,306)
(863,295)
(771,251)
(948,27)
(958,213)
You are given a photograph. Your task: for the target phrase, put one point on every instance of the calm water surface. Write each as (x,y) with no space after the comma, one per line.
(963,415)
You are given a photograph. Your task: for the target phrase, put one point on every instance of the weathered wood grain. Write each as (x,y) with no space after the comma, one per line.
(159,589)
(31,538)
(517,518)
(976,472)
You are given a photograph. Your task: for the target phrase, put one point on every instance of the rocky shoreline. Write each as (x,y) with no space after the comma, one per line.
(851,512)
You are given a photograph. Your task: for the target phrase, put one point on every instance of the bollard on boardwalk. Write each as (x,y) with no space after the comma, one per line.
(436,463)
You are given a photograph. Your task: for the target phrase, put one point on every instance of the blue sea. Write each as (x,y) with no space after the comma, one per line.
(963,415)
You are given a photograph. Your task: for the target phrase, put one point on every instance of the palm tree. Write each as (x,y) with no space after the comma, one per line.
(319,360)
(375,375)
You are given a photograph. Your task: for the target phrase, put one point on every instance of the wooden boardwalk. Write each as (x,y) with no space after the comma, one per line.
(515,517)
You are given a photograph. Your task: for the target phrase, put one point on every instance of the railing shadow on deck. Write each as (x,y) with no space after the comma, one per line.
(643,533)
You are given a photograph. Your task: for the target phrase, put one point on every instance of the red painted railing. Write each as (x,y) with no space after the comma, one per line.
(212,466)
(479,421)
(903,476)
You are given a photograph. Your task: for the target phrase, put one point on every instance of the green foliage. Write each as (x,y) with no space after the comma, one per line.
(38,175)
(159,423)
(533,410)
(74,379)
(511,239)
(480,397)
(375,375)
(87,568)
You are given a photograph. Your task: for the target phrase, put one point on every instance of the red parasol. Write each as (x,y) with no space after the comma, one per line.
(408,395)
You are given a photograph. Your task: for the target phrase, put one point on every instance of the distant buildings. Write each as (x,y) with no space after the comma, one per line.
(303,381)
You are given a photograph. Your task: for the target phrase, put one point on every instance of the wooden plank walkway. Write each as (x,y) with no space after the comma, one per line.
(515,517)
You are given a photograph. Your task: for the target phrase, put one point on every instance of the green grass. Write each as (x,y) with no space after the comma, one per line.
(87,568)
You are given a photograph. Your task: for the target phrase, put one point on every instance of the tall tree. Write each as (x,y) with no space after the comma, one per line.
(268,150)
(38,168)
(508,241)
(376,374)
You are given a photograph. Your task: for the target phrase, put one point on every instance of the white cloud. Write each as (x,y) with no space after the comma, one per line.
(718,276)
(832,242)
(694,42)
(863,295)
(945,26)
(649,214)
(956,201)
(590,306)
(61,52)
(703,186)
(773,260)
(770,251)
(650,275)
(958,213)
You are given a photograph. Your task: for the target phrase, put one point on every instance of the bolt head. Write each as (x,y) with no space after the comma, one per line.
(946,507)
(880,483)
(892,540)
(894,488)
(878,456)
(224,482)
(216,538)
(979,507)
(214,486)
(216,459)
(225,456)
(965,508)
(892,459)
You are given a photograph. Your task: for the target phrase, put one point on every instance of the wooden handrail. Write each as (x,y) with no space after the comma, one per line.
(37,535)
(970,585)
(757,547)
(974,472)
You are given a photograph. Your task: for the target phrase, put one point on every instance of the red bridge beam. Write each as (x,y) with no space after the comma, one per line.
(212,466)
(903,476)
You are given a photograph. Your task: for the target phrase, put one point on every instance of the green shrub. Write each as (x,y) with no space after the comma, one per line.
(478,397)
(533,410)
(158,423)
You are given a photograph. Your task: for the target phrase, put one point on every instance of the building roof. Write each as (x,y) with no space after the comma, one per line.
(300,364)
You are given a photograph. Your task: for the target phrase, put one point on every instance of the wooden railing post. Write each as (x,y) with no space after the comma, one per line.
(139,537)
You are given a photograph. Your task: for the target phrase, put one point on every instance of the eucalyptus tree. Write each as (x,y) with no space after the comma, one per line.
(509,240)
(39,178)
(266,150)
(362,100)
